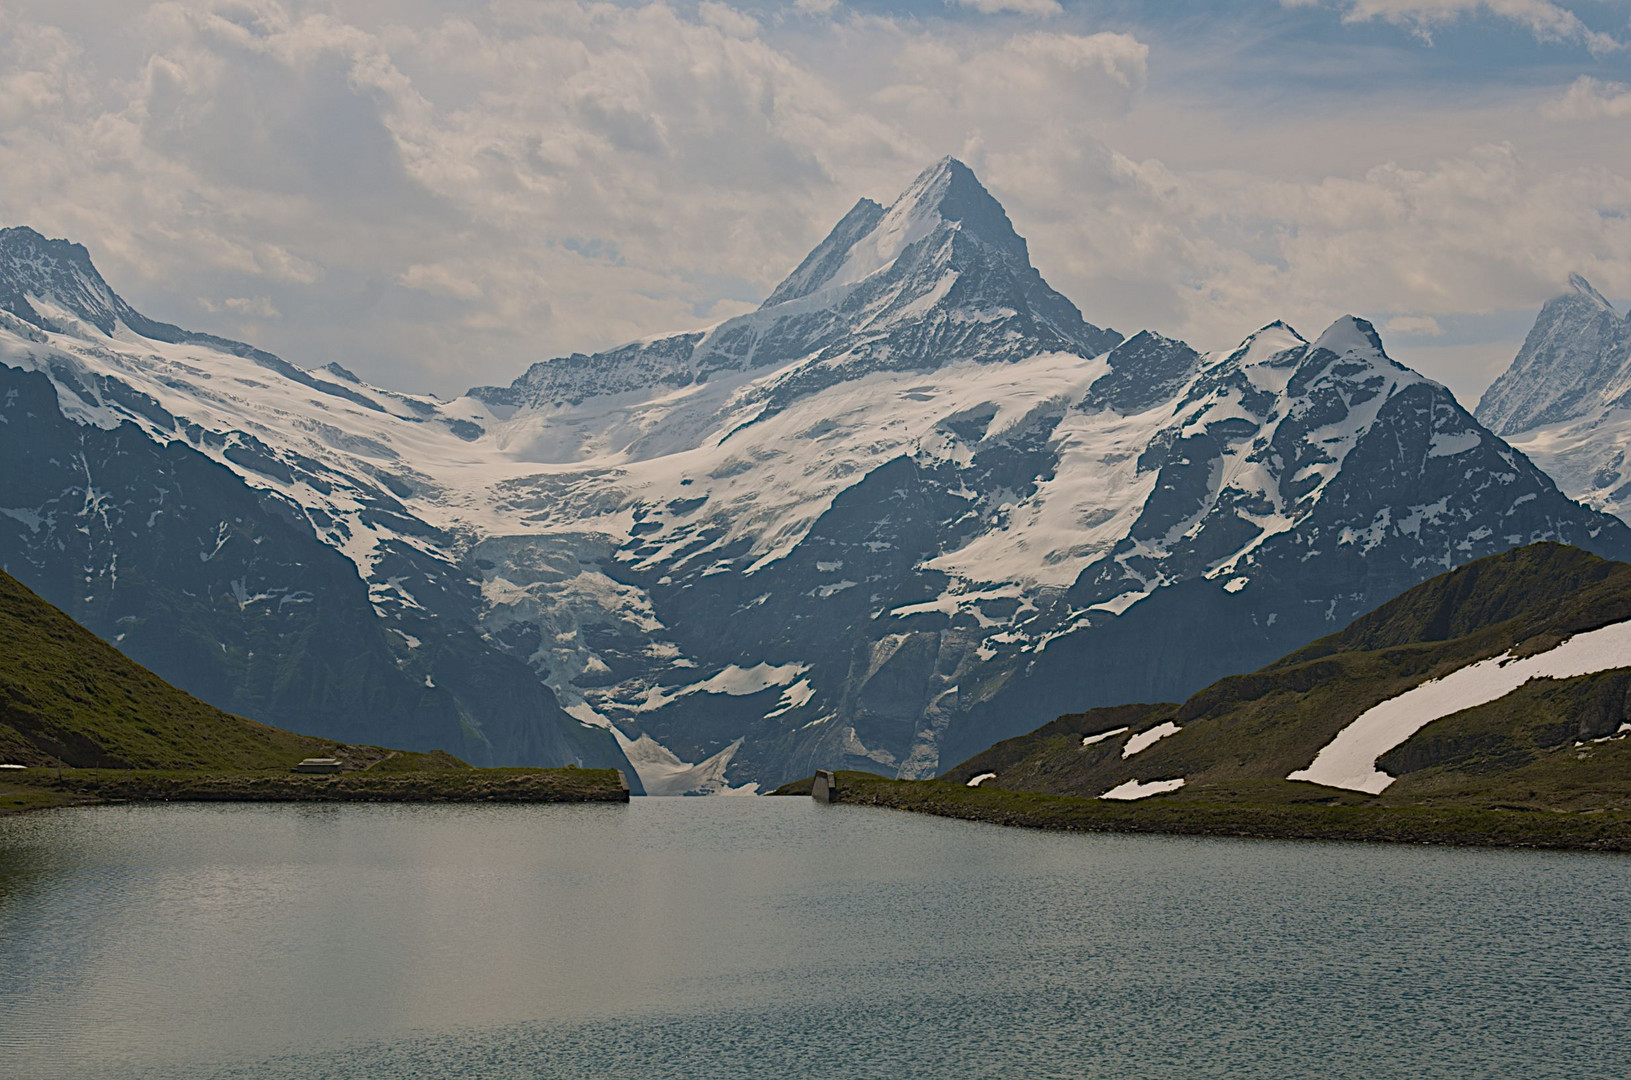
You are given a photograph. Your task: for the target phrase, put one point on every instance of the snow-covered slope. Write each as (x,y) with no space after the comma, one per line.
(912,504)
(1566,399)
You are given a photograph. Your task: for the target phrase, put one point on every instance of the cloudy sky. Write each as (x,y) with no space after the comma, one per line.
(438,192)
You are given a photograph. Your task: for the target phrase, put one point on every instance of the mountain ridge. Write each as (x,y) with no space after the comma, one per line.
(1565,400)
(943,504)
(1276,723)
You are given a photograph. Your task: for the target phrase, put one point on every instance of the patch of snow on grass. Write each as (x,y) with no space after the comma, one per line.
(1349,760)
(982,778)
(1142,789)
(1089,740)
(1146,739)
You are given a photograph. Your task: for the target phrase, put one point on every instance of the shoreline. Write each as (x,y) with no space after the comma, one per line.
(1602,830)
(92,787)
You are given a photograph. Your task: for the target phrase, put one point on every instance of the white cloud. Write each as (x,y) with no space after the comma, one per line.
(1542,18)
(1016,7)
(1414,325)
(728,20)
(440,199)
(258,306)
(1591,99)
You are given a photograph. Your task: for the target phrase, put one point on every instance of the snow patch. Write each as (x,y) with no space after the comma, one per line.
(1146,739)
(1349,760)
(1137,789)
(1451,445)
(1089,740)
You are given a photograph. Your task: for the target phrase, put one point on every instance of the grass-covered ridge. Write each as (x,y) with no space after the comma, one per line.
(1553,744)
(68,697)
(1262,811)
(93,725)
(1555,752)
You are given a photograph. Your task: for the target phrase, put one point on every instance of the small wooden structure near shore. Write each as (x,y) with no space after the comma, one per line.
(824,788)
(318,765)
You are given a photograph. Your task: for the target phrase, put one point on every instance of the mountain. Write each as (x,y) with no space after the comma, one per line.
(1504,684)
(68,697)
(1566,399)
(940,274)
(911,505)
(222,565)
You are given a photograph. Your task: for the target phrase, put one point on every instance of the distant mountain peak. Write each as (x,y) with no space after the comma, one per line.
(35,269)
(1351,335)
(1580,286)
(938,276)
(824,260)
(1575,362)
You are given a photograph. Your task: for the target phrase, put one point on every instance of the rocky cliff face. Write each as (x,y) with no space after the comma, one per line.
(912,504)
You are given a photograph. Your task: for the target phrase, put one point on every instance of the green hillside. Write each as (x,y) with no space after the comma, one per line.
(69,698)
(90,725)
(1553,744)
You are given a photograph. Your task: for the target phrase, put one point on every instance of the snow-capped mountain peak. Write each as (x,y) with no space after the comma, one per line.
(1566,399)
(822,264)
(1351,336)
(938,277)
(1575,362)
(1583,287)
(45,281)
(947,195)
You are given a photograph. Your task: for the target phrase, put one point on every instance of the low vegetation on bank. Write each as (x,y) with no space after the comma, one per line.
(1264,810)
(37,788)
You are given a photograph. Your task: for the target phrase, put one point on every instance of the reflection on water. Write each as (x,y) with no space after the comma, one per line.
(751,937)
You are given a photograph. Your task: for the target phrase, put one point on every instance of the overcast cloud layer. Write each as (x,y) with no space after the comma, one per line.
(437,194)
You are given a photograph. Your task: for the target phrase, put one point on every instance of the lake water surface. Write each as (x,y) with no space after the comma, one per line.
(719,938)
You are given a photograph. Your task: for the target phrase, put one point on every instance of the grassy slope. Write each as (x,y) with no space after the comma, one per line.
(1267,724)
(69,699)
(67,696)
(1271,811)
(1547,764)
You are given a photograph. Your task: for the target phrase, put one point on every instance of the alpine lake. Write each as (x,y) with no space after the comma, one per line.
(758,937)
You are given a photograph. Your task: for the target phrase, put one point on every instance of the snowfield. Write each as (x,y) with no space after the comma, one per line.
(1146,739)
